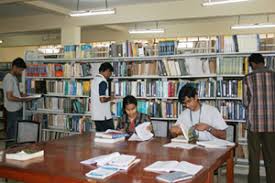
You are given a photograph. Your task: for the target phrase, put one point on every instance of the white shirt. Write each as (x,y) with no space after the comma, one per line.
(11,84)
(100,111)
(206,114)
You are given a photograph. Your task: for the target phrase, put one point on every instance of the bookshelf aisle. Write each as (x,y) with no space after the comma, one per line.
(151,71)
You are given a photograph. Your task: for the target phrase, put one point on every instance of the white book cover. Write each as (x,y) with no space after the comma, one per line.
(101,172)
(180,145)
(179,138)
(101,160)
(22,155)
(161,166)
(216,143)
(167,166)
(142,131)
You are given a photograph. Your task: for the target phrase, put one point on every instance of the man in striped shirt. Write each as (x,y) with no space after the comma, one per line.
(259,100)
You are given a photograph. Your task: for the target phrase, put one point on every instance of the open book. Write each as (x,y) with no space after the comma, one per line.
(168,166)
(113,160)
(180,145)
(32,96)
(189,133)
(216,143)
(142,133)
(24,155)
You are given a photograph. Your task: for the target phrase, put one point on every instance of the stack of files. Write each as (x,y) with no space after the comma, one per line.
(110,136)
(25,155)
(216,143)
(174,166)
(113,160)
(180,142)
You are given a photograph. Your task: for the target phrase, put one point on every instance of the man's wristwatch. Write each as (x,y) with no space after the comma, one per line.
(209,129)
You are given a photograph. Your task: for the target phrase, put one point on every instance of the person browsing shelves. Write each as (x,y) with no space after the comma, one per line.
(131,117)
(206,120)
(13,97)
(100,99)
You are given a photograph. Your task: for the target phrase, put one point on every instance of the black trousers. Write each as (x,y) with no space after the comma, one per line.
(104,125)
(258,141)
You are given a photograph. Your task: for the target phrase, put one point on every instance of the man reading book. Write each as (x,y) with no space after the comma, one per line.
(200,121)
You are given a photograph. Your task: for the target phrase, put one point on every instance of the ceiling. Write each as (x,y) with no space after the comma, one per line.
(17,8)
(91,4)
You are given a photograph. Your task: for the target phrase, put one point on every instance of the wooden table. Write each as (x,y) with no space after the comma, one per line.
(61,161)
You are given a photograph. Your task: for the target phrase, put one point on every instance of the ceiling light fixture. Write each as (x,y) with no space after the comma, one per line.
(267,24)
(157,30)
(146,31)
(1,41)
(81,13)
(212,3)
(253,26)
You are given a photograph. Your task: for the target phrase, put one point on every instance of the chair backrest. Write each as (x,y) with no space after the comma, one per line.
(27,131)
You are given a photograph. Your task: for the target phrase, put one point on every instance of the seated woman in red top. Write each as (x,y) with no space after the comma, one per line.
(131,117)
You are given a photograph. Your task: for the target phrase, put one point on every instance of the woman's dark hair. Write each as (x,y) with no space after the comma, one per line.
(187,90)
(106,66)
(256,58)
(19,63)
(129,99)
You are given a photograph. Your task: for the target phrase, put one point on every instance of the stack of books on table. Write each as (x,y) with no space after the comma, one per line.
(110,164)
(175,171)
(110,136)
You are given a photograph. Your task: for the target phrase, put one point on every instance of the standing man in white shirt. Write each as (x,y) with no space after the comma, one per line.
(205,119)
(12,100)
(100,99)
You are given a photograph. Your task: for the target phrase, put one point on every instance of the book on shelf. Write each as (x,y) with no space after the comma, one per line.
(168,166)
(24,155)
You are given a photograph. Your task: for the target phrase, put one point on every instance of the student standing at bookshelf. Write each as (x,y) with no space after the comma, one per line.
(131,117)
(12,97)
(206,120)
(259,100)
(100,99)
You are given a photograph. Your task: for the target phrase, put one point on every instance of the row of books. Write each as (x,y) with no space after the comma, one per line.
(160,88)
(235,43)
(230,88)
(231,110)
(166,67)
(65,123)
(61,105)
(58,87)
(62,70)
(233,65)
(239,43)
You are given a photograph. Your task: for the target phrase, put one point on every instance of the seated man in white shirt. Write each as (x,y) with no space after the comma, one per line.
(206,120)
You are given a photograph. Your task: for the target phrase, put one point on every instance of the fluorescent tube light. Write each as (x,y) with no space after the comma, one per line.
(253,26)
(81,13)
(211,3)
(146,31)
